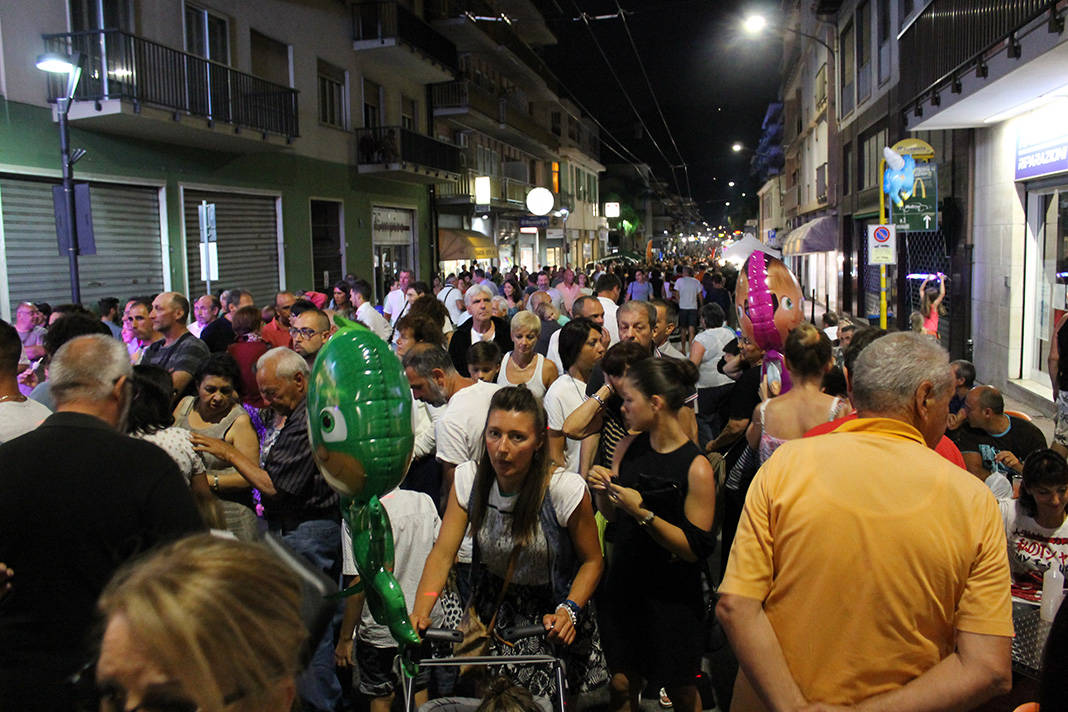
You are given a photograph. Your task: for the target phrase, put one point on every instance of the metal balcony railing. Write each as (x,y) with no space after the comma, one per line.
(933,49)
(502,190)
(382,21)
(118,65)
(386,145)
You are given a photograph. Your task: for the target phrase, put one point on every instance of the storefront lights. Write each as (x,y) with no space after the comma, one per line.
(483,191)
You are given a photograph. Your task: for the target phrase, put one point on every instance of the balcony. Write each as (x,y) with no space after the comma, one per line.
(505,193)
(133,86)
(471,105)
(393,39)
(1013,52)
(401,154)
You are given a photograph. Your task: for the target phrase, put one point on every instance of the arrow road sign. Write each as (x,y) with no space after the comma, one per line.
(920,211)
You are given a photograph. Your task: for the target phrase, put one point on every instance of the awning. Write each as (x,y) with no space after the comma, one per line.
(456,244)
(819,235)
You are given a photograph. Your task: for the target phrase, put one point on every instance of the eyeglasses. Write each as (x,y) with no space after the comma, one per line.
(305,333)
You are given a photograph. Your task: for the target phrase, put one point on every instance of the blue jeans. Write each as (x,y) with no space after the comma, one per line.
(319,541)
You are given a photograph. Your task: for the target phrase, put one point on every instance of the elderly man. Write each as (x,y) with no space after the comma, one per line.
(366,314)
(205,310)
(298,504)
(179,353)
(276,332)
(569,290)
(310,331)
(78,499)
(667,321)
(216,332)
(544,283)
(482,326)
(30,333)
(993,442)
(913,588)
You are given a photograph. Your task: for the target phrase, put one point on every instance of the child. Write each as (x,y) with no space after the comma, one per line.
(931,304)
(415,523)
(484,361)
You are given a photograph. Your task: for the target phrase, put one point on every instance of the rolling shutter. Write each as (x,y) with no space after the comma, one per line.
(247,232)
(127,262)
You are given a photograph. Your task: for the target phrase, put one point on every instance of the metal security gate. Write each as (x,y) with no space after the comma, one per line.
(128,260)
(925,253)
(247,230)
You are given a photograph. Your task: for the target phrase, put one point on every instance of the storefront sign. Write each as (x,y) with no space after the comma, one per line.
(391,226)
(882,245)
(920,211)
(554,233)
(534,221)
(1038,153)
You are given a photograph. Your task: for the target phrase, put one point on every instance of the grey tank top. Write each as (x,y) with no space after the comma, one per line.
(214,430)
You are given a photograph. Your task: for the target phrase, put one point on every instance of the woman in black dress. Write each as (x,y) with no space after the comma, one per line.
(661,496)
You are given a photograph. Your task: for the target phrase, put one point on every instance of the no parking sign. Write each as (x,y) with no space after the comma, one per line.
(882,245)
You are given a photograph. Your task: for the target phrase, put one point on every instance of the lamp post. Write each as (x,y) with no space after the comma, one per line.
(754,24)
(56,63)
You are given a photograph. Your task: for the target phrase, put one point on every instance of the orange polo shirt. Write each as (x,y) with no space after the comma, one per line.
(276,335)
(869,551)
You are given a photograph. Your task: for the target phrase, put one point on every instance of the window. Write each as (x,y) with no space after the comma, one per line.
(333,99)
(555,117)
(270,58)
(556,175)
(883,35)
(372,115)
(847,68)
(84,15)
(409,113)
(863,51)
(207,34)
(847,169)
(872,148)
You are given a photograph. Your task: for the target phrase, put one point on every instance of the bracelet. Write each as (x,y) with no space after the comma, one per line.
(646,521)
(215,483)
(570,613)
(598,399)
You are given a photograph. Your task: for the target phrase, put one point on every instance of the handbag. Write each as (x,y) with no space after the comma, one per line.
(477,635)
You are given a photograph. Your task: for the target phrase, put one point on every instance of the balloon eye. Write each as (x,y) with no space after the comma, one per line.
(332,425)
(787,303)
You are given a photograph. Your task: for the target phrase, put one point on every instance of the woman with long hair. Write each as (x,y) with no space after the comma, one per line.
(216,412)
(1036,523)
(581,349)
(523,366)
(809,356)
(512,294)
(660,497)
(204,624)
(536,556)
(931,303)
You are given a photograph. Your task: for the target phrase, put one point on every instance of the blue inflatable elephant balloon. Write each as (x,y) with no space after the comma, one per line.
(899,177)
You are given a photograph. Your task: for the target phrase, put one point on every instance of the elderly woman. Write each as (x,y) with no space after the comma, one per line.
(204,624)
(482,326)
(522,366)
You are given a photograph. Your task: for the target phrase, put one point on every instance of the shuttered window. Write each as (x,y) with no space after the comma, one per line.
(127,262)
(247,232)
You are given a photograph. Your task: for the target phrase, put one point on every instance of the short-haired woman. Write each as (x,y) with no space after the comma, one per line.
(522,366)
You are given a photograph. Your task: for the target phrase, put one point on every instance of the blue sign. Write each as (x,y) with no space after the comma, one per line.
(533,221)
(1039,156)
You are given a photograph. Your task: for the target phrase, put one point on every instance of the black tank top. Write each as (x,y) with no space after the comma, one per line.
(1062,349)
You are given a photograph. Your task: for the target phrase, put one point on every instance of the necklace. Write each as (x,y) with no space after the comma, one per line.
(17,398)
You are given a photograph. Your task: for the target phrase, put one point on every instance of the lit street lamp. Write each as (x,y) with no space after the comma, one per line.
(755,24)
(56,63)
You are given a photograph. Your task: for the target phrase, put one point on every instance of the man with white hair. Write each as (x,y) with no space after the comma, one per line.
(78,498)
(482,326)
(898,554)
(298,504)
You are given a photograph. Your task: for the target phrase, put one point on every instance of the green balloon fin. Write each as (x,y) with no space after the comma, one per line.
(345,323)
(350,591)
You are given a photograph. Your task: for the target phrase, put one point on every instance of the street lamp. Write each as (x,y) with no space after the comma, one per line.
(737,146)
(755,24)
(55,63)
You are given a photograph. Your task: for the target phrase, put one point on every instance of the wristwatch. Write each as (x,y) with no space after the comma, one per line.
(645,521)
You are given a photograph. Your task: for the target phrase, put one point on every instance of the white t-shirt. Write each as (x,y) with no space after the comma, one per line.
(610,324)
(713,340)
(669,351)
(564,395)
(459,430)
(448,296)
(20,417)
(1032,547)
(175,442)
(415,524)
(393,305)
(553,352)
(687,288)
(424,418)
(566,490)
(369,317)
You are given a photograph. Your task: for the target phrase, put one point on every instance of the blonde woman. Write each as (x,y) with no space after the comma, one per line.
(204,624)
(522,365)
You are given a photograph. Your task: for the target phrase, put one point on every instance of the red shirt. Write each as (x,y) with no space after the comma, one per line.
(945,446)
(275,334)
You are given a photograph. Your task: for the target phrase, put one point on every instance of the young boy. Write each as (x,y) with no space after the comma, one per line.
(484,361)
(415,523)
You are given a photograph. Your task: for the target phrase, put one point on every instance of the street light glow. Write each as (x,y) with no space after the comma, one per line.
(730,183)
(754,24)
(736,146)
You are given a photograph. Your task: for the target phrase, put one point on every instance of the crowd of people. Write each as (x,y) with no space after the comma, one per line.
(587,445)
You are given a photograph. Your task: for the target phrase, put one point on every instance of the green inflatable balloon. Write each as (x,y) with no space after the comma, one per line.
(360,428)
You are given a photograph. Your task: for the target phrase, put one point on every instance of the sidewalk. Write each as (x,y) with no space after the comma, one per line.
(1044,423)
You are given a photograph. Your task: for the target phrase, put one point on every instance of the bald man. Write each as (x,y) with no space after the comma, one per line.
(178,352)
(994,442)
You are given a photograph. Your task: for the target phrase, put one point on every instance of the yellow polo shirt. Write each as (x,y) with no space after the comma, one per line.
(868,550)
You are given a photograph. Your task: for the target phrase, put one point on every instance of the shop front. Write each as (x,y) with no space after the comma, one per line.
(811,251)
(458,248)
(393,242)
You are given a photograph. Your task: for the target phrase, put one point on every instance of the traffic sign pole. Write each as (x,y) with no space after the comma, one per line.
(882,268)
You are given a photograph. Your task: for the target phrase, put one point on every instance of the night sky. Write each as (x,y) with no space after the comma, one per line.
(713,84)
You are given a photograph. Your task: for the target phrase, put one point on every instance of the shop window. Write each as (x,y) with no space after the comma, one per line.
(1048,302)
